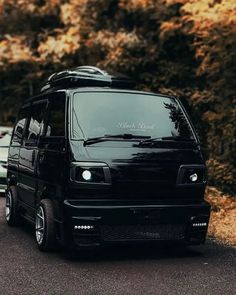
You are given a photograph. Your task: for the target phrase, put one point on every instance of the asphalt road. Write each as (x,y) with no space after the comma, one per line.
(209,269)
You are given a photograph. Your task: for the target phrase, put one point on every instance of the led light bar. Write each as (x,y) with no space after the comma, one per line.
(84,227)
(199,224)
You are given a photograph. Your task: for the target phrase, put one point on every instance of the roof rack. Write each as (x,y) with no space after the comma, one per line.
(86,76)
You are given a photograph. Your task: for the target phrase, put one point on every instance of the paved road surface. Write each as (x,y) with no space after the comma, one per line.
(209,269)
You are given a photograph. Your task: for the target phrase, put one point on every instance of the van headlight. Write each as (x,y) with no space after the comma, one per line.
(90,172)
(87,175)
(191,175)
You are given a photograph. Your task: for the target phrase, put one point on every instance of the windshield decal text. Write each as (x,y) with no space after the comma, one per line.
(135,127)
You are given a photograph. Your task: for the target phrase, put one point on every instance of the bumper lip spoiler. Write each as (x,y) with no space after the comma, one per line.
(193,205)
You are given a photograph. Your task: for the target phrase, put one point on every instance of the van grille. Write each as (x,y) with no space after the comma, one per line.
(142,232)
(144,181)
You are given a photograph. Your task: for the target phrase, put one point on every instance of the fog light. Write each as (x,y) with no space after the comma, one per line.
(193,177)
(87,175)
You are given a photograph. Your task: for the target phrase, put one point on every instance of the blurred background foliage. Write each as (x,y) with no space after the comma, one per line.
(182,47)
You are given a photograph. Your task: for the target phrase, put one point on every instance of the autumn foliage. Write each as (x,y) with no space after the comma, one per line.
(222,226)
(185,47)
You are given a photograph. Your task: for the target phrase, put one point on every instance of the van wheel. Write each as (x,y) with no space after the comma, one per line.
(11,208)
(45,230)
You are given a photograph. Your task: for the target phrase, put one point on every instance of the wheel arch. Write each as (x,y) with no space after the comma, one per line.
(49,192)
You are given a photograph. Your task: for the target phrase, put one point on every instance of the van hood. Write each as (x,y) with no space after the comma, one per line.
(113,153)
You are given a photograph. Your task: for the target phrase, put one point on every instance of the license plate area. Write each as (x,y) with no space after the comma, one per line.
(142,232)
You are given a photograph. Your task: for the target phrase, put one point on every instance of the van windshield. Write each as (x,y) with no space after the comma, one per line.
(100,113)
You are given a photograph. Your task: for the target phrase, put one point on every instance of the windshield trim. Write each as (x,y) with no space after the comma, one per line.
(71,104)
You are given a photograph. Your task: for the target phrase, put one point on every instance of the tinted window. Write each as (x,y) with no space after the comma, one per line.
(20,124)
(35,127)
(56,118)
(97,114)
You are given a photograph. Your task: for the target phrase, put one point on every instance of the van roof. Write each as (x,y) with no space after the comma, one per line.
(95,89)
(104,89)
(88,79)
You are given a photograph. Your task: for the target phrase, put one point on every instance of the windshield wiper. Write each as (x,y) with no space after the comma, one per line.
(105,137)
(170,138)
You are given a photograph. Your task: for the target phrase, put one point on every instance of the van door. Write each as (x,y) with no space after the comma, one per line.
(27,182)
(51,169)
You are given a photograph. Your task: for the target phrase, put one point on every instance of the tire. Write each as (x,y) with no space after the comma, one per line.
(11,209)
(45,229)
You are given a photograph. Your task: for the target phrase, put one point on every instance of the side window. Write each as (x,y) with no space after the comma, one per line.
(56,117)
(35,126)
(20,125)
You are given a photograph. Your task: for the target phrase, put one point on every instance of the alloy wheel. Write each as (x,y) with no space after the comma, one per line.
(8,208)
(40,225)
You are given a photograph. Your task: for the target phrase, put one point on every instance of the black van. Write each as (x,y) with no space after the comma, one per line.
(94,162)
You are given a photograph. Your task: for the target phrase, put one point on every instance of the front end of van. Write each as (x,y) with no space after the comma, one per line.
(137,174)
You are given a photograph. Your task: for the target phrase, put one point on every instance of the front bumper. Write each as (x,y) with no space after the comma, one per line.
(89,225)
